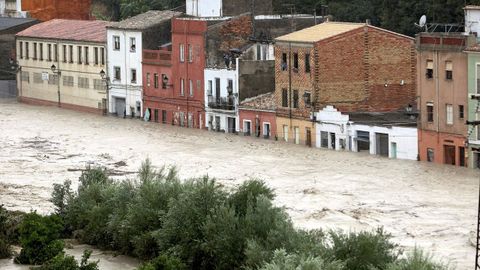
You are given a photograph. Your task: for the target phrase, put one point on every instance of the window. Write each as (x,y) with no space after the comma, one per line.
(20,46)
(83,83)
(53,79)
(430,155)
(64,53)
(116,43)
(448,70)
(155,80)
(25,76)
(210,87)
(37,77)
(295,62)
(34,51)
(461,111)
(102,56)
(95,55)
(449,111)
(79,50)
(191,88)
(324,139)
(148,78)
(429,73)
(68,81)
(307,99)
(86,56)
(199,85)
(182,87)
(259,52)
(55,52)
(70,48)
(284,98)
(133,75)
(116,73)
(295,98)
(99,84)
(27,50)
(190,53)
(49,52)
(182,53)
(41,51)
(230,86)
(133,44)
(307,63)
(430,112)
(284,62)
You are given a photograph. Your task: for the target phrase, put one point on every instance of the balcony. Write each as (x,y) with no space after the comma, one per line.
(221,103)
(157,57)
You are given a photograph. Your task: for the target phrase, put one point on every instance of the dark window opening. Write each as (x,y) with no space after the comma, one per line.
(430,113)
(295,62)
(284,98)
(284,61)
(307,62)
(295,98)
(461,111)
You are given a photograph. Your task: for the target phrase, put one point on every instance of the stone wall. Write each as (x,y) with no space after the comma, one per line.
(255,78)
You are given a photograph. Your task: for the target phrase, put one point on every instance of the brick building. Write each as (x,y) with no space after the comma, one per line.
(354,67)
(179,97)
(443,89)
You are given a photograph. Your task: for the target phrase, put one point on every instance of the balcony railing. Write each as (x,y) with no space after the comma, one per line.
(222,103)
(157,57)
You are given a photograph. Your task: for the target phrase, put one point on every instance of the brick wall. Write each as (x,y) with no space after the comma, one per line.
(353,69)
(45,10)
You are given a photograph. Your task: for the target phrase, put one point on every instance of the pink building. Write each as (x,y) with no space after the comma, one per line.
(257,116)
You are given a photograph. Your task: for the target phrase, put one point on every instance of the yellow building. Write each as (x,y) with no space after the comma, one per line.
(298,131)
(61,62)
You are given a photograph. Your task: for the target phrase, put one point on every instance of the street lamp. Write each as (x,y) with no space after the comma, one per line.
(106,79)
(57,72)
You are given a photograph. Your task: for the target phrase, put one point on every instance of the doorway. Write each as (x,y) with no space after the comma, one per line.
(266,130)
(247,126)
(393,150)
(449,154)
(308,137)
(382,144)
(332,141)
(285,133)
(120,107)
(155,115)
(217,123)
(363,141)
(297,135)
(231,125)
(461,154)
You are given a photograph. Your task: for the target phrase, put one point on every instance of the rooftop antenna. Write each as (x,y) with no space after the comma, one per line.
(423,23)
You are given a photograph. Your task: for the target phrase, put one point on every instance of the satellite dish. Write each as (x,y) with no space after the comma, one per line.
(423,21)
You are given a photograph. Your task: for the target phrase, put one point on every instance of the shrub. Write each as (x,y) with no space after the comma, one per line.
(66,262)
(39,238)
(164,262)
(364,250)
(5,247)
(417,260)
(283,261)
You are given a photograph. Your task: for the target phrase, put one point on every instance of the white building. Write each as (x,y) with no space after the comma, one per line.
(12,8)
(221,99)
(393,135)
(204,8)
(61,62)
(125,43)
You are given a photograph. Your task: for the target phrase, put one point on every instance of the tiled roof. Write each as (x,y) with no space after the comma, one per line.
(261,102)
(6,23)
(77,30)
(145,20)
(474,48)
(399,118)
(320,32)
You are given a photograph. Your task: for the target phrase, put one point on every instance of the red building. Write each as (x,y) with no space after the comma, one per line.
(257,116)
(178,97)
(157,72)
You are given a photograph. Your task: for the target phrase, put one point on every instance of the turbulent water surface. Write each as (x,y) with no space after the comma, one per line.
(421,204)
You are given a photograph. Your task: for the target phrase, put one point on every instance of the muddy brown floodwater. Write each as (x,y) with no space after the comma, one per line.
(431,206)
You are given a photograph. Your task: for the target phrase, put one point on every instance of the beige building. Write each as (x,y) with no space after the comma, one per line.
(61,62)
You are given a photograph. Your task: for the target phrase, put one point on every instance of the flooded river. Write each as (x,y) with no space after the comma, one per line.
(431,206)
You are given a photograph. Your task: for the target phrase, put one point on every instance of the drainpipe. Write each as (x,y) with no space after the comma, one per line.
(289,98)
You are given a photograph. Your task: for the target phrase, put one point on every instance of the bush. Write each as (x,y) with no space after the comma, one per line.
(39,238)
(66,262)
(417,260)
(364,250)
(5,247)
(283,261)
(164,262)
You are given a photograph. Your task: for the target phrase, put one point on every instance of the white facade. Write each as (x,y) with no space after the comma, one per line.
(218,117)
(334,130)
(12,8)
(472,20)
(204,8)
(124,50)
